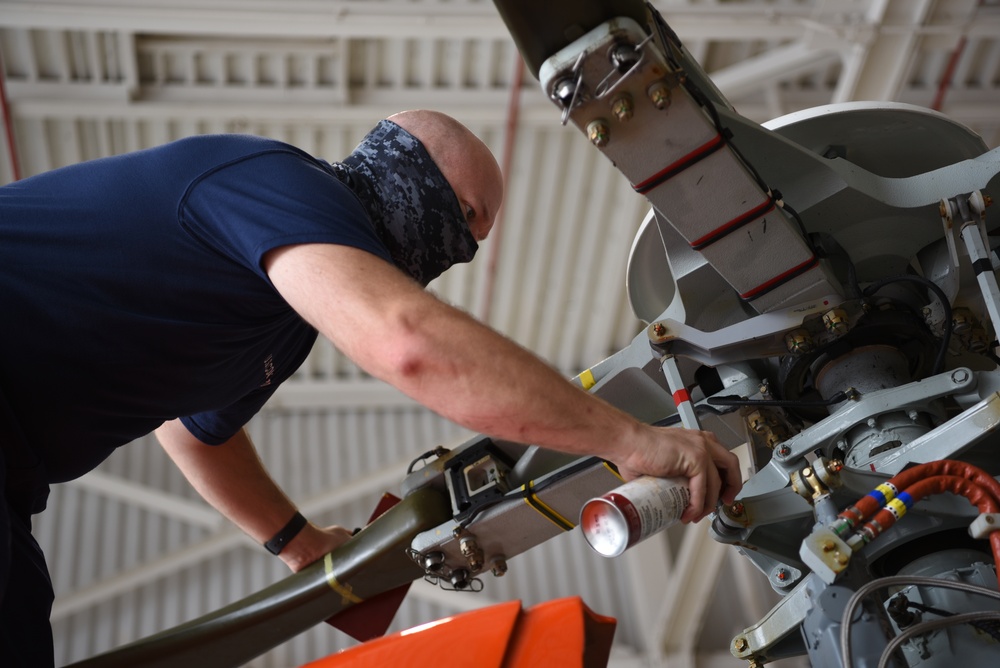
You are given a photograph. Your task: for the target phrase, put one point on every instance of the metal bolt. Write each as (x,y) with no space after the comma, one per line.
(659,95)
(842,559)
(781,574)
(961,320)
(498,567)
(598,132)
(564,90)
(988,519)
(741,644)
(799,341)
(987,200)
(784,451)
(659,329)
(959,375)
(737,509)
(828,546)
(871,422)
(622,107)
(835,321)
(472,552)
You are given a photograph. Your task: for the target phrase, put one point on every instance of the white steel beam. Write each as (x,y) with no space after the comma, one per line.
(150,499)
(782,63)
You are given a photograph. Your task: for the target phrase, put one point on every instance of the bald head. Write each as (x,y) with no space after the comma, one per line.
(464,160)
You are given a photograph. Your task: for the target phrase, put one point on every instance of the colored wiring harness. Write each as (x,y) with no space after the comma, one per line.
(883,506)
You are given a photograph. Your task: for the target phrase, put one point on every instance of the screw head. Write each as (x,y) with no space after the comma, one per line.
(622,107)
(659,95)
(599,133)
(741,644)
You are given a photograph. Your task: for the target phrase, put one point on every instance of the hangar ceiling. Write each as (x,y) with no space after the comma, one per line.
(132,550)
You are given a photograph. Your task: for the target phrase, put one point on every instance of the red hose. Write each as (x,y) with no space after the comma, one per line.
(946,475)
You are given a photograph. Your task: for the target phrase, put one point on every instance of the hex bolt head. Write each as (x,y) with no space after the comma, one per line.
(622,107)
(741,644)
(659,95)
(598,132)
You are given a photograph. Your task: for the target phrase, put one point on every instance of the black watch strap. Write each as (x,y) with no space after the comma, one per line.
(287,533)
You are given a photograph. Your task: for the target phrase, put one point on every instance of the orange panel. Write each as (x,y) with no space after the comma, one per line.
(563,633)
(476,639)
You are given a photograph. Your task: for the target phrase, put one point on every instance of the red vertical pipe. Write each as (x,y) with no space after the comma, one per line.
(8,123)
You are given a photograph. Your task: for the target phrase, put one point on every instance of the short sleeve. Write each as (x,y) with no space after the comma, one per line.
(273,198)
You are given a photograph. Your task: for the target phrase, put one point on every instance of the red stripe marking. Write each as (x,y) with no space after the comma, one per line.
(680,396)
(690,158)
(780,278)
(733,224)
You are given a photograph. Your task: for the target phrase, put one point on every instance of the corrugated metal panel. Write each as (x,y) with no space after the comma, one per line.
(319,75)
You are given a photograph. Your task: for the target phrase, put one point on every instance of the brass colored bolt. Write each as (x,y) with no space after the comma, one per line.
(828,546)
(961,320)
(741,644)
(842,559)
(757,421)
(835,321)
(499,567)
(659,329)
(598,132)
(622,107)
(659,95)
(799,341)
(737,509)
(987,200)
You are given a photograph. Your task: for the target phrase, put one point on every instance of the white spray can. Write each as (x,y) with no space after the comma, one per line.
(616,521)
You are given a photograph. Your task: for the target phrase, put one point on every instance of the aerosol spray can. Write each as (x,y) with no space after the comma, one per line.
(633,512)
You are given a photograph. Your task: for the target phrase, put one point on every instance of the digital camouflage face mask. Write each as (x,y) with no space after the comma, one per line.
(414,208)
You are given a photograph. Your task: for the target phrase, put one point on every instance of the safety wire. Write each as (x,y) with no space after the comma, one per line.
(903,581)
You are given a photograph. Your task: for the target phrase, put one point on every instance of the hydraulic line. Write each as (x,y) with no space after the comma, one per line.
(889,501)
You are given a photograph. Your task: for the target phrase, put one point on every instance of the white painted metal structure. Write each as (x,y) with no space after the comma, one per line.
(132,550)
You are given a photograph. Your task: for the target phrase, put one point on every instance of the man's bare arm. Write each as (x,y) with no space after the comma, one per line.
(231,477)
(477,378)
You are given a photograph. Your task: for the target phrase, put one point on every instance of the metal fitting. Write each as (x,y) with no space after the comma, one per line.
(659,95)
(622,107)
(498,567)
(563,91)
(472,552)
(961,320)
(433,562)
(741,644)
(598,132)
(659,329)
(799,341)
(757,421)
(835,321)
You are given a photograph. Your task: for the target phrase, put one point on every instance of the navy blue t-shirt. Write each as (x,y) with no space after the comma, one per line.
(132,290)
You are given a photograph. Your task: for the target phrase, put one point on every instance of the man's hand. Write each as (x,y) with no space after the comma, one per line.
(712,471)
(312,544)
